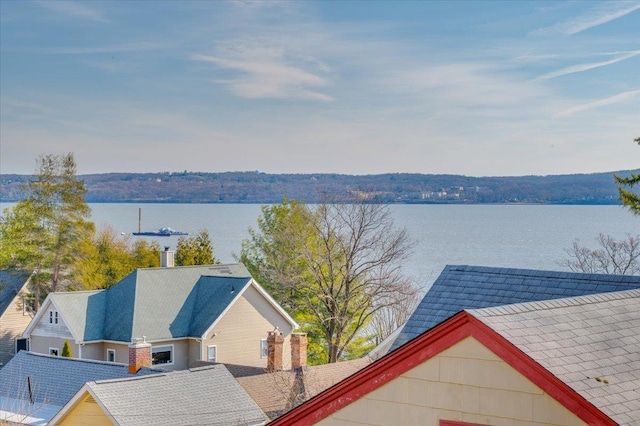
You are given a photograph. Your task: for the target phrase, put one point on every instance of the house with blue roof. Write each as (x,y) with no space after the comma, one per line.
(215,313)
(34,387)
(462,287)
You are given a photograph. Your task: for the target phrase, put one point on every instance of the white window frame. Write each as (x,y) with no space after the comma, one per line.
(215,349)
(53,317)
(264,349)
(163,348)
(57,350)
(111,351)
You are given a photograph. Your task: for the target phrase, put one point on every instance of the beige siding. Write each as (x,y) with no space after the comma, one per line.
(13,322)
(240,330)
(122,351)
(41,345)
(87,412)
(467,383)
(93,351)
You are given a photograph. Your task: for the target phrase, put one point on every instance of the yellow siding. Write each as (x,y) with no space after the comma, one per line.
(12,324)
(86,413)
(466,383)
(240,330)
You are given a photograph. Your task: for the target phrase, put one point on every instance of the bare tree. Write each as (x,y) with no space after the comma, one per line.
(610,257)
(335,265)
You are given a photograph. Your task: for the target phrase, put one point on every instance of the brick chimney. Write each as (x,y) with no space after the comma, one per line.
(139,355)
(275,342)
(298,351)
(166,258)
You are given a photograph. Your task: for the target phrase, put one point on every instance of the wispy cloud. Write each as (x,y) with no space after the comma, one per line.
(586,67)
(601,14)
(269,78)
(622,97)
(74,9)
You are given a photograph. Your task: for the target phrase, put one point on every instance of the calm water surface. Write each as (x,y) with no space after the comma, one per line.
(518,236)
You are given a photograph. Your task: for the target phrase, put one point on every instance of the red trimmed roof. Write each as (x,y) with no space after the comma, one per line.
(426,346)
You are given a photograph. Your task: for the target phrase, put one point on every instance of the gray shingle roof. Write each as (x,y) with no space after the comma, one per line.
(158,303)
(472,287)
(55,380)
(11,282)
(199,396)
(592,343)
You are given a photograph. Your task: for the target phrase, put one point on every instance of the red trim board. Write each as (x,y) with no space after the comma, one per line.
(426,346)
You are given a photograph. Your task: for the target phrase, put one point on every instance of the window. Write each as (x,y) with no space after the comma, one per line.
(162,355)
(111,355)
(53,317)
(53,351)
(212,353)
(264,348)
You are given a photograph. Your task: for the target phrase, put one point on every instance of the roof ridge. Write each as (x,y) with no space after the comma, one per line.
(73,359)
(498,270)
(522,307)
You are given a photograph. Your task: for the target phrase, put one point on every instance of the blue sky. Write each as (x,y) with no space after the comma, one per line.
(462,87)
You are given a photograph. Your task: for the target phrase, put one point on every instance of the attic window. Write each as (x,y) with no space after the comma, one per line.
(53,317)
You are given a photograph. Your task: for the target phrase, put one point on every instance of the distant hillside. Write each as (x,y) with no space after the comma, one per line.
(255,187)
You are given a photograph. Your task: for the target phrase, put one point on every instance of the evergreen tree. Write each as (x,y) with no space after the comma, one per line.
(66,350)
(628,198)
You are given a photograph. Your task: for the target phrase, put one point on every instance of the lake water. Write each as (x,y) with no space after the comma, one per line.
(518,236)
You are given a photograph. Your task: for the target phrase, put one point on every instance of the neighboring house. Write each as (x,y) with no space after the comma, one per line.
(195,313)
(278,390)
(198,396)
(34,387)
(471,287)
(15,311)
(572,361)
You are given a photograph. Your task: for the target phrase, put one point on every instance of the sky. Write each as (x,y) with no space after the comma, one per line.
(477,88)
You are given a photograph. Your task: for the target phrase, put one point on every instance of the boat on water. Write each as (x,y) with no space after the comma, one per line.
(162,232)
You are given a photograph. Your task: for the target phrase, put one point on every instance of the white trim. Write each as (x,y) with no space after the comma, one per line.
(44,309)
(275,304)
(264,349)
(209,347)
(173,354)
(75,400)
(55,349)
(263,292)
(113,351)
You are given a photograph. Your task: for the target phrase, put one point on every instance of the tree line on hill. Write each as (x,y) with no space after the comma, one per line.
(262,188)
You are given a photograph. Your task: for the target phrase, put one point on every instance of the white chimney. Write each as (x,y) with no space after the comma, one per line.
(166,258)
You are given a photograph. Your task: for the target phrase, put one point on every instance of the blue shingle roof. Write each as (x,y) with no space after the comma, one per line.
(158,303)
(474,287)
(54,380)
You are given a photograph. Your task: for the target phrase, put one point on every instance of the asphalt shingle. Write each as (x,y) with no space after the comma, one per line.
(473,287)
(600,366)
(199,396)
